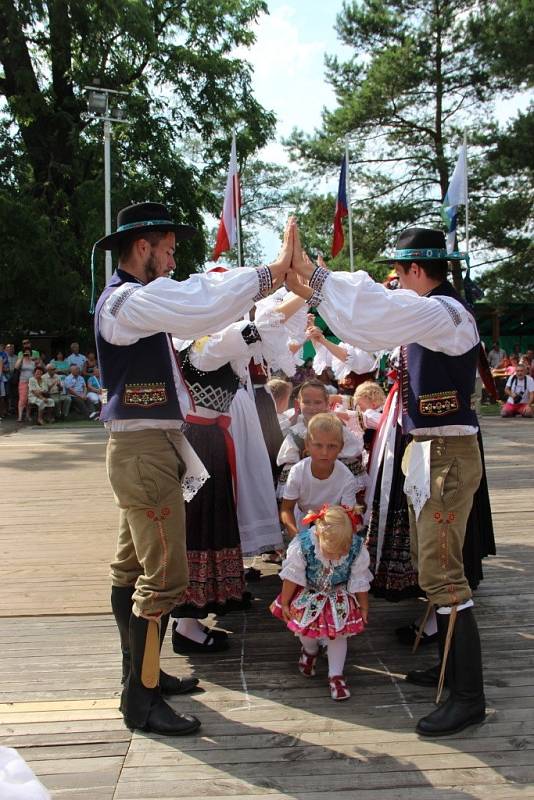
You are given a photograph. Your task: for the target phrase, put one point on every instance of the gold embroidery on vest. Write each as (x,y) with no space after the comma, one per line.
(145,395)
(438,403)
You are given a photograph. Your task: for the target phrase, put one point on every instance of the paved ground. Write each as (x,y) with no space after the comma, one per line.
(267,733)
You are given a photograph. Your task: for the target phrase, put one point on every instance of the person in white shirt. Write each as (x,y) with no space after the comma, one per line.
(519,390)
(439,355)
(314,399)
(320,478)
(144,399)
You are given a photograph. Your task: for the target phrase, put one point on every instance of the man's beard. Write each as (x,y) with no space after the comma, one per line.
(151,269)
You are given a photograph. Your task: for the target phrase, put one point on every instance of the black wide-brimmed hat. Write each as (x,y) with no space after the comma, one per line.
(422,244)
(141,218)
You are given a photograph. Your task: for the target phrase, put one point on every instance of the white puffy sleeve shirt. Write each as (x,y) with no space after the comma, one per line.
(294,566)
(371,317)
(356,360)
(187,309)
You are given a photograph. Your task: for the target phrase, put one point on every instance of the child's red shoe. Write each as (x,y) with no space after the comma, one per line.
(306,664)
(338,688)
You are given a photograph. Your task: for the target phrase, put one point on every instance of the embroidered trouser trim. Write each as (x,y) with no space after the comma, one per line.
(144,470)
(437,537)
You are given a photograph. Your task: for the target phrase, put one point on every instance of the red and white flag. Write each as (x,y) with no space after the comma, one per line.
(227,233)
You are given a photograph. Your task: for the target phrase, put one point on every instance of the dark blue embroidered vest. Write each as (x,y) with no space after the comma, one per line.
(436,388)
(318,576)
(139,378)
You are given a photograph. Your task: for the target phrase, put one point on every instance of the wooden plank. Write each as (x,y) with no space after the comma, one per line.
(280,738)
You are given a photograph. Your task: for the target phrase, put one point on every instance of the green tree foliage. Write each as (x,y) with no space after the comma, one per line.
(420,74)
(186,92)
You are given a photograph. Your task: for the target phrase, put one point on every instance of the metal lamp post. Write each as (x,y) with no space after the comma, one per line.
(100,108)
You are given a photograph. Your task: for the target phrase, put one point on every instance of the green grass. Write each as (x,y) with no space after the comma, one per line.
(490,411)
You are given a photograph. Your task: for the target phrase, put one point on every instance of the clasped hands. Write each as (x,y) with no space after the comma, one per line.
(293,266)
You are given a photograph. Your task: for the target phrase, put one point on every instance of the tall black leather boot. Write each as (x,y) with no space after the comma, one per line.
(141,703)
(466,704)
(121,604)
(430,676)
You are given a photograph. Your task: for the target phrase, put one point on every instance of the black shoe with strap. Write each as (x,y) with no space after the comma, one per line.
(424,677)
(466,704)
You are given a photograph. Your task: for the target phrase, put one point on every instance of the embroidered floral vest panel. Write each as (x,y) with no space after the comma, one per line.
(320,577)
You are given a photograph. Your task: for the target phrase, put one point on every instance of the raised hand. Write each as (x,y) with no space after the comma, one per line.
(281,266)
(301,263)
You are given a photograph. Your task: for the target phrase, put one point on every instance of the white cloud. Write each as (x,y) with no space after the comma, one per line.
(289,71)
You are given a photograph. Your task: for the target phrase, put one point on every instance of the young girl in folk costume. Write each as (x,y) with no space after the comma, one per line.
(325,590)
(313,399)
(319,478)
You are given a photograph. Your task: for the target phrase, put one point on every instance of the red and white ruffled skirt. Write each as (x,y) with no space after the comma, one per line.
(322,615)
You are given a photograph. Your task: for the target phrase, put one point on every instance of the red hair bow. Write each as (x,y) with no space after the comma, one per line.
(355,518)
(312,516)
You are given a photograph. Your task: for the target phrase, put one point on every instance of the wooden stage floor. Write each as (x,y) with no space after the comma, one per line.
(267,733)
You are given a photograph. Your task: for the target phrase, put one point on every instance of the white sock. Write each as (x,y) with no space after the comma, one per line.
(431,626)
(191,628)
(448,609)
(310,645)
(337,653)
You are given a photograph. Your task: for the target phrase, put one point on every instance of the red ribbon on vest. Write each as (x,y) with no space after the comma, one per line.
(224,423)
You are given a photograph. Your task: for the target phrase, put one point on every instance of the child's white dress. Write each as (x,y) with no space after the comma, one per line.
(325,606)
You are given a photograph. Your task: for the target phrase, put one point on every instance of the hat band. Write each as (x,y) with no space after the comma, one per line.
(427,254)
(131,225)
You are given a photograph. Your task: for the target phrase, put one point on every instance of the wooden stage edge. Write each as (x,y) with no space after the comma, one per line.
(267,733)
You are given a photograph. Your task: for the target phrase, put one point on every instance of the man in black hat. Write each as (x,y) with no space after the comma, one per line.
(143,400)
(440,345)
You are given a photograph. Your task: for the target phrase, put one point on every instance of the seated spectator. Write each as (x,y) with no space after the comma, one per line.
(496,355)
(27,345)
(54,387)
(3,387)
(60,363)
(94,388)
(24,366)
(12,379)
(38,396)
(3,356)
(90,364)
(76,388)
(520,392)
(76,357)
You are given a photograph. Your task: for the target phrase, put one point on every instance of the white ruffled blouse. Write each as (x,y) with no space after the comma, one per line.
(294,566)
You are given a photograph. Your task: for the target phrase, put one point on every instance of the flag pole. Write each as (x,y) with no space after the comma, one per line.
(237,202)
(349,202)
(466,198)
